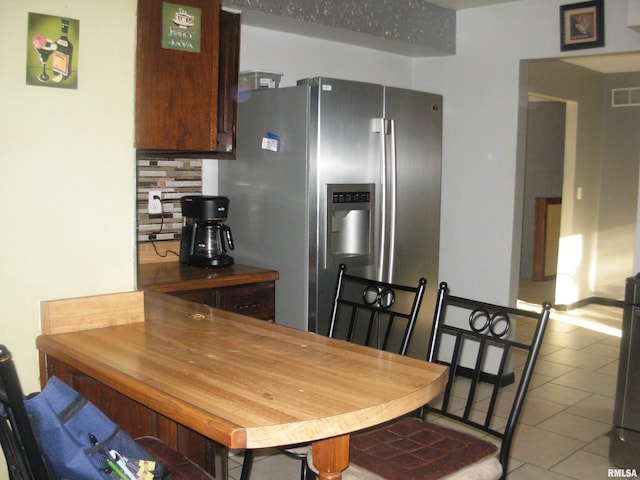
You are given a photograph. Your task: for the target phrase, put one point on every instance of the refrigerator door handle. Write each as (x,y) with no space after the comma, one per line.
(380,127)
(392,197)
(388,181)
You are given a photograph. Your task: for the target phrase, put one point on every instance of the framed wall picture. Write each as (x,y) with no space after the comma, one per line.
(52,51)
(582,25)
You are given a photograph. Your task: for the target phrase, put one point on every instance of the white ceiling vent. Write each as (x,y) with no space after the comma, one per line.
(625,97)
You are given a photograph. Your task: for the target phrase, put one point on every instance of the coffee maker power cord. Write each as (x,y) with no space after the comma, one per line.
(152,240)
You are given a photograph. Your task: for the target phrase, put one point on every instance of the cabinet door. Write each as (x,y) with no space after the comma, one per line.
(177,89)
(228,83)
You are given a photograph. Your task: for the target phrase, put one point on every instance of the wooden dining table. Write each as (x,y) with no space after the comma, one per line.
(241,382)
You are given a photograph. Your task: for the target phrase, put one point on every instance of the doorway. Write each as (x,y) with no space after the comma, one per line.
(583,262)
(544,164)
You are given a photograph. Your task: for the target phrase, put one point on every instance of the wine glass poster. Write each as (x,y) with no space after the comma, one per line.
(52,51)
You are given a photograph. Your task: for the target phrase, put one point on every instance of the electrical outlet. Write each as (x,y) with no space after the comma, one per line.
(155,206)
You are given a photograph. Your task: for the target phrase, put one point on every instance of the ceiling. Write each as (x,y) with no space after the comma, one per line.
(613,63)
(462,4)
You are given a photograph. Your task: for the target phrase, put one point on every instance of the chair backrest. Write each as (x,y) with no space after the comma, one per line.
(486,347)
(375,313)
(18,441)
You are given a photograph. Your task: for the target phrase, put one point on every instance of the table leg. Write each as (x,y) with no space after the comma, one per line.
(331,456)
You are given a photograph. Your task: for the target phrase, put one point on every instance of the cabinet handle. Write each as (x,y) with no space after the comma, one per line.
(246,306)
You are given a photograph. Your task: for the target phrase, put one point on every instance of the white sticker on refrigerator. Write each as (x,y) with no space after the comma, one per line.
(271,142)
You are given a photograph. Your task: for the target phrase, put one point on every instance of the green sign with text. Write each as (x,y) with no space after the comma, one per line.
(181,27)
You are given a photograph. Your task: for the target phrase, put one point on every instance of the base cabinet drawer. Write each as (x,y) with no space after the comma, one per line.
(257,300)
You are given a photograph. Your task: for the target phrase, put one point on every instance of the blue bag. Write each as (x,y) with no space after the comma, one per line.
(80,442)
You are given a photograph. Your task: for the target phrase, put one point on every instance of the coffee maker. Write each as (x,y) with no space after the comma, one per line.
(203,234)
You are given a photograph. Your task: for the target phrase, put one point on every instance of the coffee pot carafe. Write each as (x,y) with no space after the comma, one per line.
(204,236)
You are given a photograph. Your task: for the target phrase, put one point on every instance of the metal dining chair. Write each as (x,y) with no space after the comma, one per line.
(368,312)
(22,452)
(490,367)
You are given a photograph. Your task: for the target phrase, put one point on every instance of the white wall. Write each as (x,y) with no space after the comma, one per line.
(303,57)
(482,169)
(67,185)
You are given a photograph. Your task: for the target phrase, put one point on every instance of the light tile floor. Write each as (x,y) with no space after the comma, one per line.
(564,429)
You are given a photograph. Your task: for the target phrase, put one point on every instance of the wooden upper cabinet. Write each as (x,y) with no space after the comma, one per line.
(177,97)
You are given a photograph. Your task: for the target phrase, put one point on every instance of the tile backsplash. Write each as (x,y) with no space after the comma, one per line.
(175,178)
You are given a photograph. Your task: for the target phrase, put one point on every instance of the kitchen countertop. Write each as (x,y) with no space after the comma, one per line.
(176,276)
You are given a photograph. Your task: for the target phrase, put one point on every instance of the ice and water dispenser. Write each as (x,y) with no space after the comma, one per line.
(350,224)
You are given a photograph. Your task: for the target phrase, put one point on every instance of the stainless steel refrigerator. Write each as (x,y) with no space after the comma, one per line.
(624,446)
(333,171)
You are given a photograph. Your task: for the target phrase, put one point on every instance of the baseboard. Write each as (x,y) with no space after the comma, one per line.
(608,302)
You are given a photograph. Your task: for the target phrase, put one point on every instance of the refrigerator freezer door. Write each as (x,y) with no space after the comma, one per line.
(268,195)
